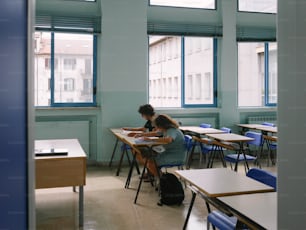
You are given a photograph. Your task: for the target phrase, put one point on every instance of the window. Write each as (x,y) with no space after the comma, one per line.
(69,84)
(195,85)
(260,6)
(203,4)
(257,74)
(67,61)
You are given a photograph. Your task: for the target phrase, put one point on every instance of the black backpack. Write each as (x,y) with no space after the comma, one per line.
(171,190)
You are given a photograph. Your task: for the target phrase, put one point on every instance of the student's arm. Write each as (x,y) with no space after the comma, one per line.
(148,134)
(163,140)
(143,129)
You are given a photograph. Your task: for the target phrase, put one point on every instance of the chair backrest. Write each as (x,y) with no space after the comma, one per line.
(268,124)
(263,176)
(205,125)
(256,136)
(226,130)
(188,142)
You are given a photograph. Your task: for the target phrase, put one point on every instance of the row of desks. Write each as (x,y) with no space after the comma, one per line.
(238,194)
(254,203)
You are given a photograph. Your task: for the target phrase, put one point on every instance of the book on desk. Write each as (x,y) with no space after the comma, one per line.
(51,152)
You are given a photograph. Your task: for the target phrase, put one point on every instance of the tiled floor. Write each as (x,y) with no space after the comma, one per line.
(109,206)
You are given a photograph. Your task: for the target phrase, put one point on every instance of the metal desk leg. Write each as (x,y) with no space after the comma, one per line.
(113,154)
(120,161)
(191,155)
(81,206)
(140,181)
(240,152)
(128,179)
(194,194)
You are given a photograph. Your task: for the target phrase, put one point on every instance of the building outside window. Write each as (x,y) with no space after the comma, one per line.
(203,4)
(64,73)
(259,6)
(194,86)
(257,74)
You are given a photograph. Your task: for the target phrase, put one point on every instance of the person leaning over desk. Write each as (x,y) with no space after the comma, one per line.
(147,112)
(174,144)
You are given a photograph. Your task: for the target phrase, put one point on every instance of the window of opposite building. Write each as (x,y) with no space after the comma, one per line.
(259,6)
(65,69)
(187,77)
(257,74)
(202,4)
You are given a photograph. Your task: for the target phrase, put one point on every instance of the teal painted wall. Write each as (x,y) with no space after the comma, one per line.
(123,68)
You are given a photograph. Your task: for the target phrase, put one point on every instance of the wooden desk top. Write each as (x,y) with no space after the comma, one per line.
(220,182)
(132,141)
(230,137)
(268,129)
(259,127)
(249,126)
(73,146)
(200,130)
(261,208)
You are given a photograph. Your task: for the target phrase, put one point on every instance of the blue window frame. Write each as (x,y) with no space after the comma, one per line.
(70,78)
(182,71)
(257,74)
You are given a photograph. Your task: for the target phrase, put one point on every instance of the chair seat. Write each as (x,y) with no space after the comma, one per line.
(125,147)
(222,221)
(233,158)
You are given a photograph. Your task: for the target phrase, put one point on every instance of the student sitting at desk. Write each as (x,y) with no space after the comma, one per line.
(147,112)
(174,144)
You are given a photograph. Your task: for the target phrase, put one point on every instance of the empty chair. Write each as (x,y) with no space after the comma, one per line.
(222,221)
(257,142)
(268,124)
(205,125)
(270,143)
(263,176)
(218,148)
(233,158)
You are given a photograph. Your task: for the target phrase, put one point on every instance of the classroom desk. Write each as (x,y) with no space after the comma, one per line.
(197,131)
(134,144)
(219,182)
(258,211)
(62,171)
(234,138)
(120,137)
(262,128)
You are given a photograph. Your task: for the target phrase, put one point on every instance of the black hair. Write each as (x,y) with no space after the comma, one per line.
(165,122)
(146,109)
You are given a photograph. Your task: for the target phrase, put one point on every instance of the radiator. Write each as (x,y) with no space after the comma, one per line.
(261,119)
(64,130)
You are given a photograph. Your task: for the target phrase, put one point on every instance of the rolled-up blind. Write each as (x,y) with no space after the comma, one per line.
(83,24)
(256,33)
(162,28)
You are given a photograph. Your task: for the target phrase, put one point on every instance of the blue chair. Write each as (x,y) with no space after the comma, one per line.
(233,158)
(205,125)
(222,221)
(263,176)
(209,148)
(272,146)
(269,124)
(257,142)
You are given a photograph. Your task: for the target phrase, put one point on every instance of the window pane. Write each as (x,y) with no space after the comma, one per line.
(251,74)
(262,6)
(204,4)
(198,71)
(73,77)
(165,71)
(42,73)
(272,93)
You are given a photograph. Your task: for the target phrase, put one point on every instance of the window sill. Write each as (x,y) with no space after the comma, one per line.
(67,108)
